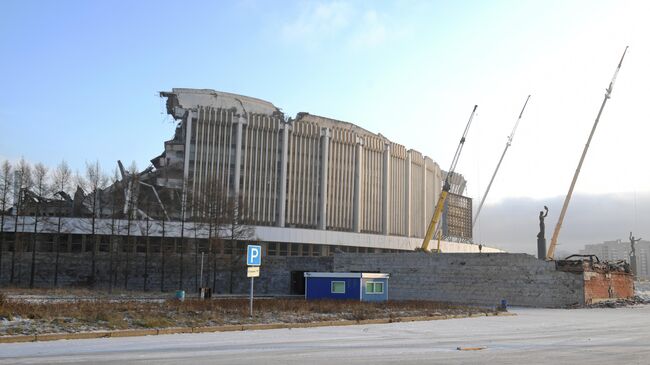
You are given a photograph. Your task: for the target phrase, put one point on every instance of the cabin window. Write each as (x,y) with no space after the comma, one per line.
(374,287)
(338,287)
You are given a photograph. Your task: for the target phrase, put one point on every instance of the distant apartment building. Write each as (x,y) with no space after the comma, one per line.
(621,250)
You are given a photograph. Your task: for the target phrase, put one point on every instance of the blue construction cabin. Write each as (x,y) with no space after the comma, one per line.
(366,287)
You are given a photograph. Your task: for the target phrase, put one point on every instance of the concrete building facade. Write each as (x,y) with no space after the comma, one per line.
(310,172)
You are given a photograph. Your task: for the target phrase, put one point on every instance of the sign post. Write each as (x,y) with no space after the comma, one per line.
(251,298)
(253,261)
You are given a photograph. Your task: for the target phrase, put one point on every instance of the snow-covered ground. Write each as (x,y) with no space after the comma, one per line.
(534,336)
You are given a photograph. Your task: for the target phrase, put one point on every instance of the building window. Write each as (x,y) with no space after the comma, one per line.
(104,242)
(241,248)
(272,249)
(374,287)
(338,287)
(227,249)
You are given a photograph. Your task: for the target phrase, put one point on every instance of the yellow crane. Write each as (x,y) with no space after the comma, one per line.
(556,233)
(433,225)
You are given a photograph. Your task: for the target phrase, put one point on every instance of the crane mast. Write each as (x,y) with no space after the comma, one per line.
(508,143)
(446,187)
(556,233)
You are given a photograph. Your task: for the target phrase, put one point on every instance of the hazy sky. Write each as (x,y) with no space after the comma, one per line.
(512,224)
(80,79)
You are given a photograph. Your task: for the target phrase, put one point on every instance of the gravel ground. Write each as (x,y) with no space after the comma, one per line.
(29,314)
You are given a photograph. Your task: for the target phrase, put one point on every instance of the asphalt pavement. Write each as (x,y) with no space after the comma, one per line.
(533,336)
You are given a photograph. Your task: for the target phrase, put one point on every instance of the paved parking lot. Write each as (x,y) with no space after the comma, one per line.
(534,336)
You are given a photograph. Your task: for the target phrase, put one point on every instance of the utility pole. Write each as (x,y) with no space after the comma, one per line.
(558,226)
(508,143)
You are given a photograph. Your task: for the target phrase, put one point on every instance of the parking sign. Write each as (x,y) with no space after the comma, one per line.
(254,255)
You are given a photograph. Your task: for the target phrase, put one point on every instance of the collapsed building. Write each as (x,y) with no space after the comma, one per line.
(238,170)
(310,172)
(294,180)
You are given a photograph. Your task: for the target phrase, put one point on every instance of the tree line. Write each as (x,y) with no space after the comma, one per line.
(47,195)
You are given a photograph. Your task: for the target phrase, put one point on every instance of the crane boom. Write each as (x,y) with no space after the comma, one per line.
(556,233)
(446,187)
(510,137)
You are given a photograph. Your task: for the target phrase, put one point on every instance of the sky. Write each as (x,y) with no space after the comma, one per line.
(512,224)
(81,79)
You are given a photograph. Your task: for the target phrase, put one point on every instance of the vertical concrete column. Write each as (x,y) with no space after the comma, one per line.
(356,207)
(324,169)
(186,165)
(425,218)
(282,207)
(240,130)
(407,195)
(386,190)
(188,140)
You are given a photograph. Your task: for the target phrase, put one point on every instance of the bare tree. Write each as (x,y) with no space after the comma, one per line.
(238,231)
(131,195)
(216,219)
(111,240)
(197,220)
(181,240)
(41,189)
(61,176)
(225,226)
(79,181)
(23,182)
(148,224)
(96,181)
(6,175)
(162,257)
(221,214)
(183,215)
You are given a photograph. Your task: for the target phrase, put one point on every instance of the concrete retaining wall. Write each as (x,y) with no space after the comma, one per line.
(483,279)
(468,278)
(129,274)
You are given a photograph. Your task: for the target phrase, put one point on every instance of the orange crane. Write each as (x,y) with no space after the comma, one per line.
(433,225)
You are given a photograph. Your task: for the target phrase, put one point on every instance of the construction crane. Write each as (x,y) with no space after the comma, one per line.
(556,233)
(508,143)
(445,188)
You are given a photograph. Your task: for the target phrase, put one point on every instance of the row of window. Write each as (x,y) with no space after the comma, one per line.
(299,249)
(138,244)
(372,287)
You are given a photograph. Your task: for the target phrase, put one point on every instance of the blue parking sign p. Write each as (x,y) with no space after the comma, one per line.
(254,255)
